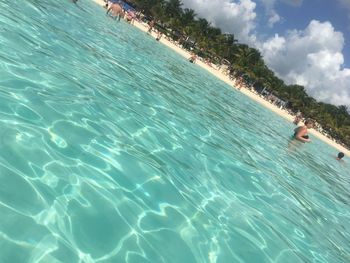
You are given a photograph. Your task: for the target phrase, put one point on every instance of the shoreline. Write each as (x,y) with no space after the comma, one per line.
(284,114)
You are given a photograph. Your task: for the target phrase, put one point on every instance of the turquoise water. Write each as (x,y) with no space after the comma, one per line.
(115,149)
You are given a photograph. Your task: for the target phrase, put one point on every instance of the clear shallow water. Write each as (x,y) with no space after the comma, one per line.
(115,149)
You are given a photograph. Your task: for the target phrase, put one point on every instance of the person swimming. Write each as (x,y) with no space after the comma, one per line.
(340,156)
(300,133)
(304,136)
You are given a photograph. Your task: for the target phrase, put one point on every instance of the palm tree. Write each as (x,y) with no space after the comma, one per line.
(173,8)
(201,27)
(147,5)
(187,17)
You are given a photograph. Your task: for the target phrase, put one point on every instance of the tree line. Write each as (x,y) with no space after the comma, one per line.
(335,120)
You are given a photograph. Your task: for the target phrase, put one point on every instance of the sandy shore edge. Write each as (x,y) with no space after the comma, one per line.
(247,92)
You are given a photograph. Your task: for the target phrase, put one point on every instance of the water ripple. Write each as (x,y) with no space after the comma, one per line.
(112,152)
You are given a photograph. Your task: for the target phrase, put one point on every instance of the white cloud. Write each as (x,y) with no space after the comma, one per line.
(312,58)
(274,18)
(237,17)
(270,11)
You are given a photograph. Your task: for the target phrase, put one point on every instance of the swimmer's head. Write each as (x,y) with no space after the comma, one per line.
(309,123)
(340,155)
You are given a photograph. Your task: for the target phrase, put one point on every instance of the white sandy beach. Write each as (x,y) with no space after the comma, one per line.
(247,92)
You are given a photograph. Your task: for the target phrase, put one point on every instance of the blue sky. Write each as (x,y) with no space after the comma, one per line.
(305,42)
(299,16)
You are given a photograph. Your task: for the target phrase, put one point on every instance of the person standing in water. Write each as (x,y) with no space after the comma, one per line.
(116,11)
(301,133)
(193,58)
(159,35)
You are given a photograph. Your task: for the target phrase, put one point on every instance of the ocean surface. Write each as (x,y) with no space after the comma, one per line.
(113,148)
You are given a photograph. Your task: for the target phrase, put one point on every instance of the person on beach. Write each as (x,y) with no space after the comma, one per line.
(297,119)
(159,35)
(301,134)
(130,17)
(150,26)
(239,82)
(340,156)
(193,58)
(116,11)
(208,62)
